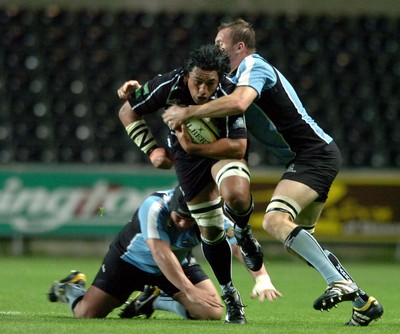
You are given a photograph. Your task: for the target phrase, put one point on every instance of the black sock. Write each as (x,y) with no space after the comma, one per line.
(219,256)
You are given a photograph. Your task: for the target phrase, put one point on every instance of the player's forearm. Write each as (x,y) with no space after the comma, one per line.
(260,272)
(221,107)
(224,148)
(127,115)
(137,129)
(172,270)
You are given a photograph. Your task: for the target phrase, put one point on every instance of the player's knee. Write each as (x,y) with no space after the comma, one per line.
(277,224)
(239,200)
(280,210)
(91,308)
(274,220)
(233,180)
(214,313)
(270,223)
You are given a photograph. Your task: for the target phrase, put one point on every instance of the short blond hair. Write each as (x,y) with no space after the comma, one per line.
(241,31)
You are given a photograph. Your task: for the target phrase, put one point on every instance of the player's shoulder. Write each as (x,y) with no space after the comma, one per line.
(252,71)
(171,77)
(161,195)
(257,61)
(226,85)
(157,200)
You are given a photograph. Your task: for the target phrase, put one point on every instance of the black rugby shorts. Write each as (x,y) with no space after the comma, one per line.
(120,278)
(316,169)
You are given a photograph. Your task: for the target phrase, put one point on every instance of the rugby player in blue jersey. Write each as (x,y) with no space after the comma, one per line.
(153,250)
(269,101)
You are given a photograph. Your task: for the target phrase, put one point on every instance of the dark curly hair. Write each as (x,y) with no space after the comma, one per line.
(208,57)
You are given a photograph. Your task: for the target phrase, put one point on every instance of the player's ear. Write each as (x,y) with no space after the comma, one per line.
(240,46)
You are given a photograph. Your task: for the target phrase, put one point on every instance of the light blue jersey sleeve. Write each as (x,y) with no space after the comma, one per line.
(155,223)
(255,72)
(152,216)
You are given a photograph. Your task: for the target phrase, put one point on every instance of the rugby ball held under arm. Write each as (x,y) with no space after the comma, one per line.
(202,130)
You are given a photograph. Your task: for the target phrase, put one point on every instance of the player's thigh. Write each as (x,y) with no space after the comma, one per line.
(219,165)
(206,285)
(228,167)
(309,216)
(305,197)
(208,193)
(233,180)
(117,277)
(298,192)
(298,202)
(288,200)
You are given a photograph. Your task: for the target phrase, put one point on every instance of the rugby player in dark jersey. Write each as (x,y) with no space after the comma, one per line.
(211,170)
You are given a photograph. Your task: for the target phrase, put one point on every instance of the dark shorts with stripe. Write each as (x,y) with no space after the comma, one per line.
(120,278)
(316,169)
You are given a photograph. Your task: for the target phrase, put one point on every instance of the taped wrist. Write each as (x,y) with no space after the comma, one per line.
(139,132)
(263,279)
(263,282)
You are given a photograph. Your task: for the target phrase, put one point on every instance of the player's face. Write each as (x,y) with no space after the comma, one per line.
(202,84)
(224,41)
(181,223)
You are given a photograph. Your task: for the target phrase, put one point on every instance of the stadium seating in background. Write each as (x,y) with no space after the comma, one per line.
(60,71)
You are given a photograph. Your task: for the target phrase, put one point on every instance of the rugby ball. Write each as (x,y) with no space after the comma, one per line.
(202,130)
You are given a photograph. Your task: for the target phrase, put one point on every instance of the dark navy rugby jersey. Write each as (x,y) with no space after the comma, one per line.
(170,88)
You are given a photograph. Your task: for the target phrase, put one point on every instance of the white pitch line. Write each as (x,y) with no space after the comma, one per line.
(10,312)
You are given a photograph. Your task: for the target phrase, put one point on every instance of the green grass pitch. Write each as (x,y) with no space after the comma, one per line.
(24,308)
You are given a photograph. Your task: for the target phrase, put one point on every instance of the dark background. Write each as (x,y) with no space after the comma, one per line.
(62,64)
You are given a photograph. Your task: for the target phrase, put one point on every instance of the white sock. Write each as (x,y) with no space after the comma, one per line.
(166,303)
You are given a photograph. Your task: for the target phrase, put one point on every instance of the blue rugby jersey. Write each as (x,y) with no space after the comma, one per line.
(152,221)
(278,109)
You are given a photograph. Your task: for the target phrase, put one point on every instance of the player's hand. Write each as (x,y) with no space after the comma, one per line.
(264,289)
(161,159)
(184,138)
(174,116)
(128,88)
(203,297)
